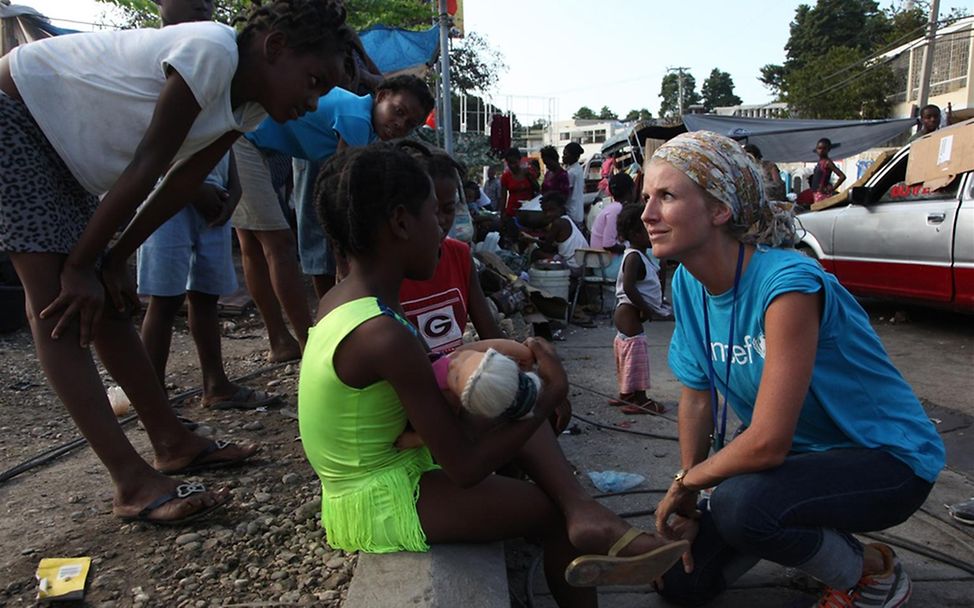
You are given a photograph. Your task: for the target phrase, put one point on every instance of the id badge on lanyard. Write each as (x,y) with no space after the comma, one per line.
(720,413)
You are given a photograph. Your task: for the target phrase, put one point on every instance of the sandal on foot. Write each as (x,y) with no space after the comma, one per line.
(611,569)
(200,462)
(646,407)
(243,399)
(184,490)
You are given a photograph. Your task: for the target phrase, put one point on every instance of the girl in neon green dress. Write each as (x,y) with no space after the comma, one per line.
(365,373)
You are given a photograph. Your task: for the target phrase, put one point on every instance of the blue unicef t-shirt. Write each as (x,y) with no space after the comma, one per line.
(856,398)
(315,135)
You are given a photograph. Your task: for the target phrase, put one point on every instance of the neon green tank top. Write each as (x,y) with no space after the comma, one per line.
(369,488)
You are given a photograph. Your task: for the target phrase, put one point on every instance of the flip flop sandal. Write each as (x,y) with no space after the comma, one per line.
(199,462)
(643,569)
(646,407)
(243,399)
(184,490)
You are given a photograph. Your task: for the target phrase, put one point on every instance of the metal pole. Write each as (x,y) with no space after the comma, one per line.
(680,80)
(927,69)
(445,78)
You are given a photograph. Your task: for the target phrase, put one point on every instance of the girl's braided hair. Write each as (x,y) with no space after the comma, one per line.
(309,25)
(359,188)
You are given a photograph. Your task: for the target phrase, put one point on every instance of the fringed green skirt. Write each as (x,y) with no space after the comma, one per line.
(378,514)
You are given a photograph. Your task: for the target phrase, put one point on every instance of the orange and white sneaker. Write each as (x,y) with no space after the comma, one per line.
(888,589)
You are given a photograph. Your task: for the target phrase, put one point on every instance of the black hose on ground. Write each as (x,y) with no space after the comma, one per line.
(622,430)
(66,448)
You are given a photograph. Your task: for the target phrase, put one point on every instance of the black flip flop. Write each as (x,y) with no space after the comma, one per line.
(184,490)
(199,462)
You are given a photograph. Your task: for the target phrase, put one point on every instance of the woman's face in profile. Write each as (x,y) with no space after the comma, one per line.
(677,215)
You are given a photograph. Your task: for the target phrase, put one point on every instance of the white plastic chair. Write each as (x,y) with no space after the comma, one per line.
(593,263)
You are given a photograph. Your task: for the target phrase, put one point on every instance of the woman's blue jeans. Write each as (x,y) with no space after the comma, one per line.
(800,514)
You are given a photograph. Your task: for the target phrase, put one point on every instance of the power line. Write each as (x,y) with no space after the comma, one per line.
(876,65)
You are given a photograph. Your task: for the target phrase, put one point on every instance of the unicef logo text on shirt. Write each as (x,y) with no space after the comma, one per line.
(741,355)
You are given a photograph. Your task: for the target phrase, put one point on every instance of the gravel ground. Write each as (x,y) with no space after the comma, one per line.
(266,548)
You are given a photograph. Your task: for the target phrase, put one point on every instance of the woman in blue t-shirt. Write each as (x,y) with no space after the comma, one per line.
(834,441)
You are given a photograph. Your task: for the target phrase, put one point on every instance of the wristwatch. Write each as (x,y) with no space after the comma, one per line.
(678,479)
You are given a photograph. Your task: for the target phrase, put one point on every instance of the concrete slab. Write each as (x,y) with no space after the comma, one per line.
(448,576)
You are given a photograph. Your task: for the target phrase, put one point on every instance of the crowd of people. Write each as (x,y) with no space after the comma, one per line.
(404,421)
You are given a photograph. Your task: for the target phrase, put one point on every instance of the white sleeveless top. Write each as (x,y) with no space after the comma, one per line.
(649,288)
(576,240)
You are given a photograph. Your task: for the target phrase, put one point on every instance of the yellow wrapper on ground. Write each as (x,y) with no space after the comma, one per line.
(62,578)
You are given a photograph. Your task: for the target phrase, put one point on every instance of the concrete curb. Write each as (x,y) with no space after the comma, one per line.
(468,575)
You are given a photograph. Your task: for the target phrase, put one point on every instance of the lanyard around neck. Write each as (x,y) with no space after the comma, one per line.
(720,414)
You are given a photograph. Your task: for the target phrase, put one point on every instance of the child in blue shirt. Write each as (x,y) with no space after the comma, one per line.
(342,119)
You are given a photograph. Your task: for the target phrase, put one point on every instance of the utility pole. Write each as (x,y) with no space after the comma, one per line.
(447,117)
(679,77)
(926,71)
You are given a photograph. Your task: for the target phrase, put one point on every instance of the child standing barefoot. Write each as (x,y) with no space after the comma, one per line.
(365,373)
(639,296)
(189,258)
(145,100)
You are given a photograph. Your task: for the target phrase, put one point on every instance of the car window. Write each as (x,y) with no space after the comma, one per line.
(892,188)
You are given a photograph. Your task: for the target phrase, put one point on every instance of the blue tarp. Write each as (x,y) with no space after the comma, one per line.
(394,49)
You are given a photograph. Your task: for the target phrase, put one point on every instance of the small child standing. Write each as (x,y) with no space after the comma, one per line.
(189,257)
(639,296)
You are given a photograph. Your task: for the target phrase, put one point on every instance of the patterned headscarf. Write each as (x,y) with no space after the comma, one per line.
(720,166)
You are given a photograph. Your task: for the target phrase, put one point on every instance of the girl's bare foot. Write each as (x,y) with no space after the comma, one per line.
(286,350)
(593,528)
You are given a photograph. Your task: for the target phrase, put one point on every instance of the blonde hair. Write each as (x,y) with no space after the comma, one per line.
(497,388)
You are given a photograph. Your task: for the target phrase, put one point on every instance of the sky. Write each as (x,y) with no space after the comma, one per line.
(563,54)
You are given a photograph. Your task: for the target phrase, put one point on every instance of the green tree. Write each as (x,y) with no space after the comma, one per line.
(640,114)
(857,24)
(409,14)
(584,113)
(831,69)
(669,90)
(859,95)
(718,91)
(606,114)
(145,13)
(475,65)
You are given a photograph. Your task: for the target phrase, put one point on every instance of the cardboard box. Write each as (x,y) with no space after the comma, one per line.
(937,158)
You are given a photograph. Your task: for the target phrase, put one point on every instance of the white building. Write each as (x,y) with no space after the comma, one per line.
(591,134)
(950,80)
(777,109)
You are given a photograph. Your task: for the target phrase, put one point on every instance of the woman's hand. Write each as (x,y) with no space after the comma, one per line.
(118,284)
(81,294)
(679,502)
(685,528)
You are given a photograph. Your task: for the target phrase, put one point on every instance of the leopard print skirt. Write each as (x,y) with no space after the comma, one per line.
(43,208)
